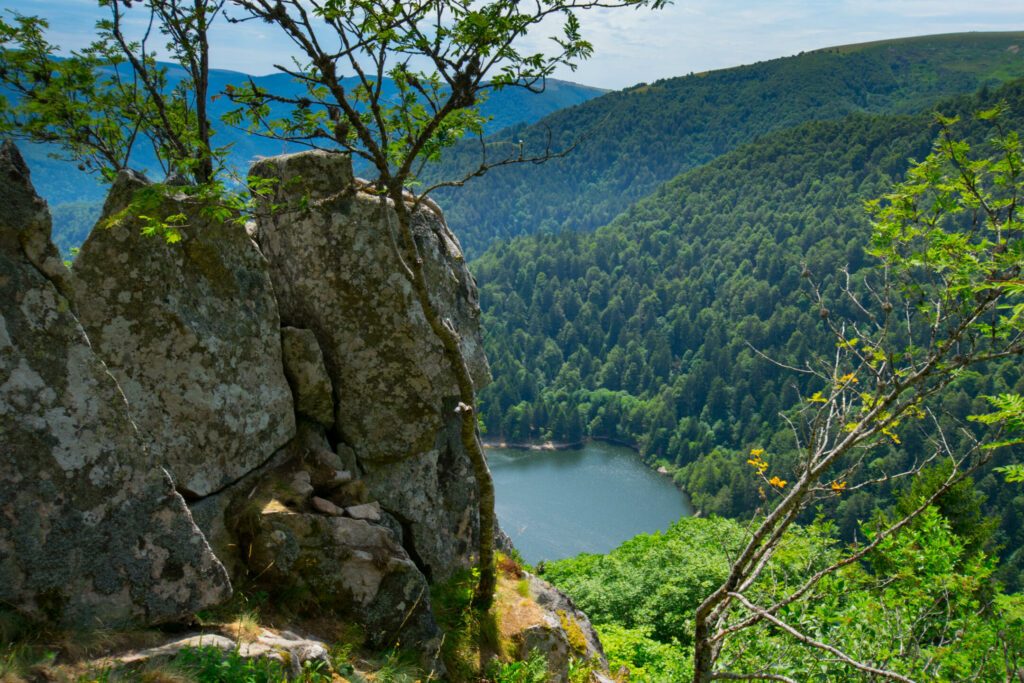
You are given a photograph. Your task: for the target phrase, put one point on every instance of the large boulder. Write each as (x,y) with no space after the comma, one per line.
(352,567)
(191,332)
(302,529)
(336,272)
(87,538)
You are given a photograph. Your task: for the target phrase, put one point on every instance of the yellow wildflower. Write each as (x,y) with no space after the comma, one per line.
(777,483)
(758,464)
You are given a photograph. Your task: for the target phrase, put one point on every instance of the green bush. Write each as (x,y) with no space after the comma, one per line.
(533,670)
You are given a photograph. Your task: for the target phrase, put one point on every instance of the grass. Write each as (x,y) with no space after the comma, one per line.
(463,626)
(245,628)
(577,641)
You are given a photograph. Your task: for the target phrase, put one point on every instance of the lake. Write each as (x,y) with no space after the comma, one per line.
(557,504)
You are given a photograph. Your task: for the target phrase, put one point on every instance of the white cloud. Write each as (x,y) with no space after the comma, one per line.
(642,45)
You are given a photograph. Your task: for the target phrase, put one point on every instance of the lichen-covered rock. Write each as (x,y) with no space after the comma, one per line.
(336,273)
(87,539)
(192,334)
(546,621)
(278,528)
(26,219)
(304,368)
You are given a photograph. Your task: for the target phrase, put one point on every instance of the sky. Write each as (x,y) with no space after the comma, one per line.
(632,46)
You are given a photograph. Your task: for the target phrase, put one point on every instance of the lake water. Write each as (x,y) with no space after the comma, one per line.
(557,504)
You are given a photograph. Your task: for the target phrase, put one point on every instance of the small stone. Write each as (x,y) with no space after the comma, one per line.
(301,485)
(367,511)
(327,507)
(324,457)
(327,469)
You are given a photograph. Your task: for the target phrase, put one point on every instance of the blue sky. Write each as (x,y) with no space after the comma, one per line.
(641,45)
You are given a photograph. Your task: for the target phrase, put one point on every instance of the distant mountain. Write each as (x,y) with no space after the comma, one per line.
(645,330)
(632,140)
(60,182)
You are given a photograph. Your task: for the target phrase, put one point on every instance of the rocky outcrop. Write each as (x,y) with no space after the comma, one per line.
(336,273)
(543,619)
(87,537)
(322,460)
(192,334)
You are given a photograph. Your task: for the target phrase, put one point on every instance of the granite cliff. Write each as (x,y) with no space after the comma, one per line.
(262,405)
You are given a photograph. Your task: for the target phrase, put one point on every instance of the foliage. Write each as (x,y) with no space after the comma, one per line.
(470,50)
(210,664)
(655,582)
(466,629)
(97,104)
(922,605)
(657,328)
(60,182)
(648,660)
(944,297)
(533,670)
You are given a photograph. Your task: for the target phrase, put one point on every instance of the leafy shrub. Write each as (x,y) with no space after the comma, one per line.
(533,670)
(212,665)
(645,658)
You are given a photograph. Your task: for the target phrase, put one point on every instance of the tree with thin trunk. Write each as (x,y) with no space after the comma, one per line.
(100,103)
(394,84)
(946,296)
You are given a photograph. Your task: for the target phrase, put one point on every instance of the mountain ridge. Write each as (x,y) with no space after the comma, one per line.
(629,141)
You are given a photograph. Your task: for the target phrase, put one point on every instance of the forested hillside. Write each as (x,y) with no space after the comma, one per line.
(658,327)
(632,140)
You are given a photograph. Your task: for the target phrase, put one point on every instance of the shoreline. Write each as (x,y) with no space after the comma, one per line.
(555,445)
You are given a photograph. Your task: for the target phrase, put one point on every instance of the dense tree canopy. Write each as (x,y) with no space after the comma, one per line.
(658,328)
(631,141)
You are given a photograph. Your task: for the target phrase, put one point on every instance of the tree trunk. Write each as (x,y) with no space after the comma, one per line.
(446,333)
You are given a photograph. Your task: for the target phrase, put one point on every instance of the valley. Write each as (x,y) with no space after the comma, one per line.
(793,287)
